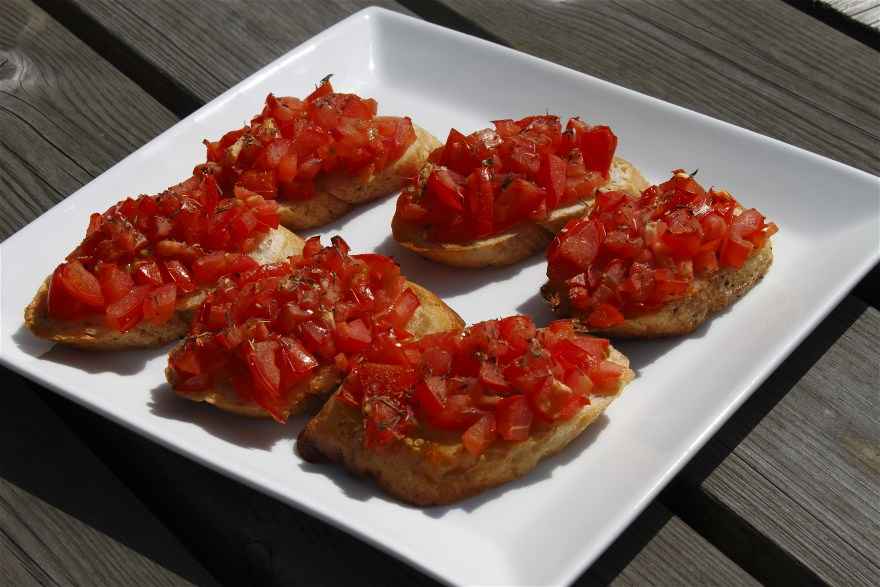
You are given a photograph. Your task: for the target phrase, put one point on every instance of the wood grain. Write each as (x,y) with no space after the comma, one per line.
(211,50)
(66,114)
(64,518)
(864,11)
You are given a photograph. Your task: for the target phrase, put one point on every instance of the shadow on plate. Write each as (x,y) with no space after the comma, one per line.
(261,434)
(448,281)
(128,362)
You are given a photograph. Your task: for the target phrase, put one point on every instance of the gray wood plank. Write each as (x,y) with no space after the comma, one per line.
(761,65)
(64,518)
(205,54)
(864,11)
(66,114)
(65,120)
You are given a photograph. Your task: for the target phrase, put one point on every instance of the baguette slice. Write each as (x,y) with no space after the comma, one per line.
(709,296)
(93,334)
(439,470)
(431,316)
(336,194)
(517,242)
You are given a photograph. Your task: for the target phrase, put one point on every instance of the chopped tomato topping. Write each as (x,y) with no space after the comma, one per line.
(632,255)
(269,326)
(283,149)
(169,242)
(500,379)
(521,170)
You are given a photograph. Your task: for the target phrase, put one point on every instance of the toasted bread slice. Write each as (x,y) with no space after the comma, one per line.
(93,334)
(518,242)
(439,470)
(709,296)
(432,315)
(336,194)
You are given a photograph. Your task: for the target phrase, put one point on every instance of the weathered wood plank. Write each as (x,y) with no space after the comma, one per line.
(761,65)
(64,518)
(66,114)
(865,11)
(242,535)
(206,54)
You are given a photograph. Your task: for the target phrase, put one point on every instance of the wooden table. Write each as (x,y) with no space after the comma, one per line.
(787,491)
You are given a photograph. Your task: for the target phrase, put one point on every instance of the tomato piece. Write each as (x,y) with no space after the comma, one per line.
(492,378)
(480,201)
(513,418)
(458,413)
(518,201)
(80,284)
(436,360)
(605,316)
(598,145)
(735,251)
(553,400)
(352,337)
(295,357)
(147,272)
(125,313)
(318,339)
(159,304)
(265,376)
(445,190)
(403,308)
(115,283)
(457,153)
(517,331)
(209,268)
(180,276)
(552,177)
(60,303)
(430,396)
(480,435)
(287,168)
(606,377)
(574,248)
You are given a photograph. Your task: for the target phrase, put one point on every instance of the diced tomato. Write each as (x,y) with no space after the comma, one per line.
(605,316)
(403,308)
(266,375)
(352,337)
(60,303)
(597,145)
(446,190)
(606,377)
(430,396)
(159,304)
(458,413)
(735,251)
(482,433)
(492,378)
(318,339)
(80,284)
(115,283)
(552,176)
(147,273)
(126,312)
(513,418)
(573,249)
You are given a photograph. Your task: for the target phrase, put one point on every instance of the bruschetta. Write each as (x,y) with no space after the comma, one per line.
(277,340)
(660,264)
(499,195)
(319,156)
(457,413)
(146,263)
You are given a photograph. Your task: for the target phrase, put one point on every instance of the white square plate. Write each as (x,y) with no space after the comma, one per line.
(546,528)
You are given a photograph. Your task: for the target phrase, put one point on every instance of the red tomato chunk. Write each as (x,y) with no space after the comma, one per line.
(500,380)
(283,149)
(492,179)
(270,327)
(142,254)
(633,255)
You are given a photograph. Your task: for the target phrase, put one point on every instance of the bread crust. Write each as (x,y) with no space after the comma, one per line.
(709,296)
(93,334)
(432,315)
(336,194)
(518,242)
(439,470)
